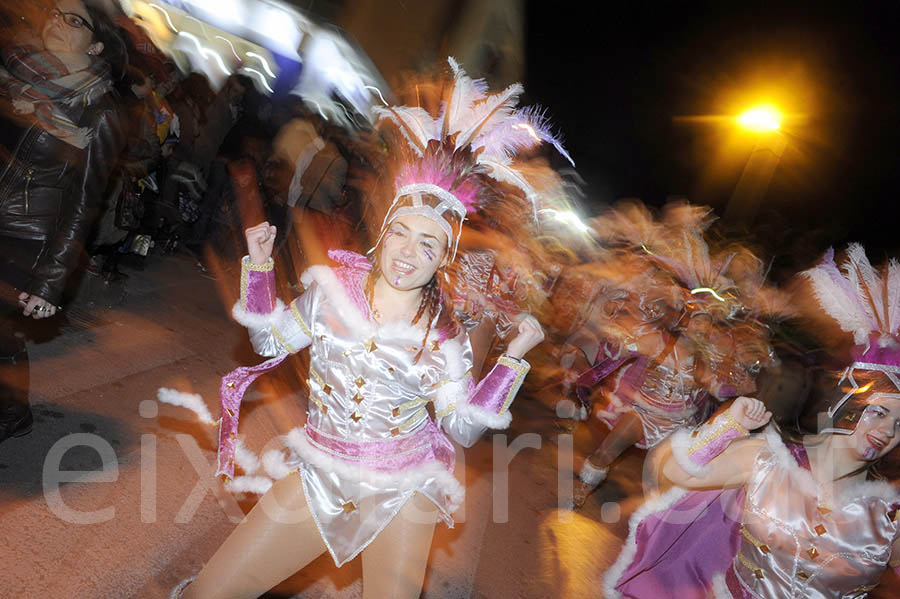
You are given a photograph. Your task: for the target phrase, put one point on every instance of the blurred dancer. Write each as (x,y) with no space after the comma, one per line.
(785,516)
(372,466)
(677,338)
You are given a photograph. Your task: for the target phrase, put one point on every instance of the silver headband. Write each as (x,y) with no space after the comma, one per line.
(448,201)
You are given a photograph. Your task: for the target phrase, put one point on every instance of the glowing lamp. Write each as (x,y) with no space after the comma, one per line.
(761,119)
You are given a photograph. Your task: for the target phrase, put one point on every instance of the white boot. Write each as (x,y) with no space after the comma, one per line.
(588,479)
(178,590)
(592,476)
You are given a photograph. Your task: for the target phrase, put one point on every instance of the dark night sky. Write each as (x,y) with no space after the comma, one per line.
(615,76)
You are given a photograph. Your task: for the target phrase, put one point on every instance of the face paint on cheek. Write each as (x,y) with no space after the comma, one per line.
(870,453)
(396,281)
(429,254)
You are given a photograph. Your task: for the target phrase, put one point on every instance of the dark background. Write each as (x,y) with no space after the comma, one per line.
(616,77)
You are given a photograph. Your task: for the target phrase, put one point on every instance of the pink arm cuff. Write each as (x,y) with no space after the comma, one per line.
(489,401)
(257,286)
(711,440)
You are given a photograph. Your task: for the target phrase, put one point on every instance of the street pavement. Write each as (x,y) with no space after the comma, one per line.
(113,495)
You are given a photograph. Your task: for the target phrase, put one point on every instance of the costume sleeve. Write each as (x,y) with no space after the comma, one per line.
(465,410)
(275,329)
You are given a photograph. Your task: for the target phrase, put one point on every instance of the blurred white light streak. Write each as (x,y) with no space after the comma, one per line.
(707,290)
(319,108)
(262,78)
(265,64)
(528,128)
(227,41)
(206,52)
(166,14)
(378,91)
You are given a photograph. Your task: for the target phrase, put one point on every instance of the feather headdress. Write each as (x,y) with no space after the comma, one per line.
(865,302)
(475,137)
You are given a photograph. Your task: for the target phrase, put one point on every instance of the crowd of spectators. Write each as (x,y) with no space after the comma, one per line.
(108,152)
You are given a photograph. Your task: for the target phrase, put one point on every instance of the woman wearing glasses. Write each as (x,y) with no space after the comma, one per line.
(61,136)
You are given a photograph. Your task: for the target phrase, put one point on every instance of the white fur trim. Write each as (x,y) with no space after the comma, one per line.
(681,443)
(333,289)
(275,464)
(258,485)
(484,417)
(651,506)
(407,479)
(719,588)
(245,459)
(451,393)
(253,320)
(191,401)
(590,475)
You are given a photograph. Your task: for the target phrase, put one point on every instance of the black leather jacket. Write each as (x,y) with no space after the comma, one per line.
(51,191)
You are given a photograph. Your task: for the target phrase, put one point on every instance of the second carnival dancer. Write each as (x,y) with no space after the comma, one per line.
(777,516)
(372,471)
(682,338)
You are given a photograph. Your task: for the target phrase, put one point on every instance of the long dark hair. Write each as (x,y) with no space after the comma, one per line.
(114,50)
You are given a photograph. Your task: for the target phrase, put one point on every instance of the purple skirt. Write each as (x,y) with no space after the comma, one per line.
(680,549)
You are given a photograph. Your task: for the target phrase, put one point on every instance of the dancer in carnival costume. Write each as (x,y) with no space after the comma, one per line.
(371,471)
(683,333)
(783,518)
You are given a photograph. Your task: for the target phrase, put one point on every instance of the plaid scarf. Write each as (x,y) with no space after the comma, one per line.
(39,84)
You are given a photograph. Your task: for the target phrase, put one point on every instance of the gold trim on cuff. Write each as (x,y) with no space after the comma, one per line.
(296,314)
(282,341)
(729,424)
(521,367)
(445,412)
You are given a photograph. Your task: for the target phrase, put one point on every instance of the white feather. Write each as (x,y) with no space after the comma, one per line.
(869,285)
(506,174)
(483,117)
(893,289)
(191,401)
(465,93)
(847,311)
(414,123)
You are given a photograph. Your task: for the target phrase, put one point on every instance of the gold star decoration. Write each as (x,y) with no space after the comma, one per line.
(349,507)
(370,345)
(356,416)
(326,389)
(360,381)
(358,398)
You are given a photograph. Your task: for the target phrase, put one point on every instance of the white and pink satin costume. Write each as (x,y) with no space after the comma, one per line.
(369,442)
(780,536)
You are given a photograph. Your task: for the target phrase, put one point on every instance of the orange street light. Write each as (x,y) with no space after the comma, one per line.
(761,119)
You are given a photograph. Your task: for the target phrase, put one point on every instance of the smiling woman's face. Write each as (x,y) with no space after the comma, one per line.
(878,431)
(61,37)
(412,250)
